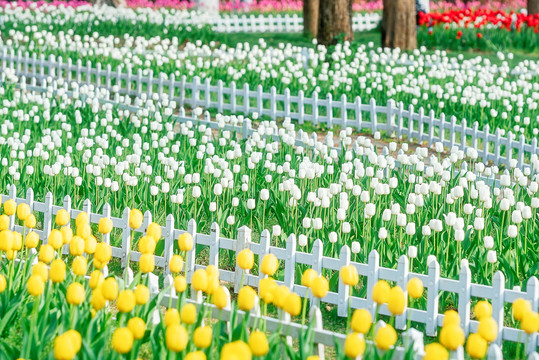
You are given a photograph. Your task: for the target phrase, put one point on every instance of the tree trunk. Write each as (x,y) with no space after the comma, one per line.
(533,7)
(310,17)
(113,3)
(335,21)
(399,24)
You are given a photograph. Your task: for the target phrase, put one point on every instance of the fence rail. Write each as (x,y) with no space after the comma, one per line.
(283,23)
(390,118)
(290,257)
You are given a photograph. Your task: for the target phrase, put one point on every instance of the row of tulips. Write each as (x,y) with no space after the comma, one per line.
(479,29)
(69,301)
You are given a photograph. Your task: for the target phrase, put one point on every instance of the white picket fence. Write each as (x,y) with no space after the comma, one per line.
(390,118)
(283,23)
(290,257)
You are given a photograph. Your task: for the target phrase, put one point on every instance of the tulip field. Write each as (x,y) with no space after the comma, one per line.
(66,292)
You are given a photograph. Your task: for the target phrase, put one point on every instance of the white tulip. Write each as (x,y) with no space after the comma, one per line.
(488,242)
(512,231)
(491,257)
(251,204)
(333,237)
(412,252)
(356,247)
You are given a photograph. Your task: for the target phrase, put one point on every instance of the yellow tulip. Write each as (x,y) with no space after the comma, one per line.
(176,338)
(75,294)
(110,289)
(172,316)
(266,289)
(30,221)
(451,317)
(142,294)
(105,225)
(40,269)
(79,266)
(62,217)
(476,346)
(147,263)
(154,231)
(76,246)
(349,275)
(415,288)
(82,219)
(320,287)
(67,234)
(135,218)
(200,280)
(258,342)
(98,300)
(103,252)
(67,345)
(90,244)
(520,308)
(482,309)
(58,271)
(361,321)
(397,301)
(35,285)
(488,329)
(220,298)
(452,336)
(354,345)
(280,293)
(185,242)
(293,304)
(96,279)
(188,314)
(122,340)
(246,259)
(180,284)
(6,240)
(137,327)
(176,264)
(55,239)
(17,241)
(202,337)
(10,207)
(270,264)
(380,292)
(32,240)
(3,283)
(386,337)
(435,351)
(195,355)
(308,276)
(530,323)
(146,245)
(4,222)
(126,301)
(246,298)
(237,350)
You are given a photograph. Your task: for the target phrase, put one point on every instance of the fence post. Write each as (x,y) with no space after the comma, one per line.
(290,262)
(465,278)
(509,149)
(126,237)
(402,281)
(329,110)
(169,243)
(494,352)
(315,108)
(372,278)
(67,207)
(47,217)
(420,129)
(432,298)
(301,107)
(244,238)
(498,302)
(246,99)
(13,196)
(194,92)
(532,290)
(316,317)
(273,103)
(431,127)
(190,256)
(265,239)
(344,290)
(287,102)
(400,120)
(214,245)
(207,93)
(486,133)
(390,118)
(374,116)
(452,132)
(317,253)
(344,111)
(220,97)
(233,97)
